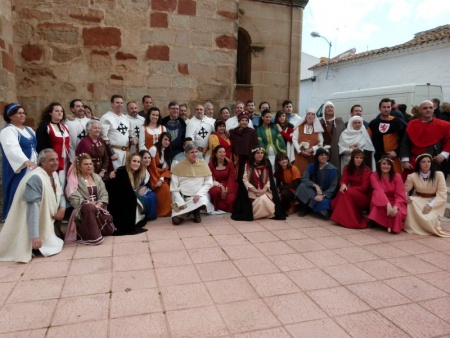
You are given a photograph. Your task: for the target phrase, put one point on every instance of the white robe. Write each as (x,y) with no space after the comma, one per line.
(15,241)
(190,186)
(116,129)
(233,122)
(77,130)
(135,125)
(9,138)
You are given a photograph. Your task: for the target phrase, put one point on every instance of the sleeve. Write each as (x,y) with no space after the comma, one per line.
(331,191)
(76,199)
(287,134)
(401,134)
(42,137)
(33,195)
(232,186)
(365,181)
(280,144)
(106,125)
(142,138)
(344,178)
(9,138)
(409,183)
(306,176)
(379,197)
(245,180)
(213,142)
(207,184)
(33,218)
(83,147)
(405,148)
(105,158)
(190,129)
(319,144)
(441,190)
(101,190)
(175,190)
(295,139)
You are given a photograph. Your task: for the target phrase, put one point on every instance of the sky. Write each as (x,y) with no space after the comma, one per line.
(368,24)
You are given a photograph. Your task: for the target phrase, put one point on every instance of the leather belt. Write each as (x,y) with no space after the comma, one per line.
(121,148)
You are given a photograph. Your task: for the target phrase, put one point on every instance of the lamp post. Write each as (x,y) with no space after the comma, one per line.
(317,35)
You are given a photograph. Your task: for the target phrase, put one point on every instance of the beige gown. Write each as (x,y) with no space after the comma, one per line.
(428,224)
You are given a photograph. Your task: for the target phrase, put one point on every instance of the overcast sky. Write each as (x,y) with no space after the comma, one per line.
(368,24)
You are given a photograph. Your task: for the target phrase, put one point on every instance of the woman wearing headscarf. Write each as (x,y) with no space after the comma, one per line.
(307,138)
(318,186)
(333,127)
(18,144)
(428,200)
(355,136)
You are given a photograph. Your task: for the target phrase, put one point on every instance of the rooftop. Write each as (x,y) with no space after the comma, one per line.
(303,277)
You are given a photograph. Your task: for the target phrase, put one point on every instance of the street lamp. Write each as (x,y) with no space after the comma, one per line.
(317,35)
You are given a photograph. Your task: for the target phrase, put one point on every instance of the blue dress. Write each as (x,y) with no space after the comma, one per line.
(10,178)
(148,200)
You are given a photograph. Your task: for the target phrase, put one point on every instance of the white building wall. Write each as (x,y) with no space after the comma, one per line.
(429,64)
(306,85)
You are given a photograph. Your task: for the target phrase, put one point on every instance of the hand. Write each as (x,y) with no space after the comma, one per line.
(426,209)
(196,198)
(184,206)
(343,188)
(407,165)
(133,141)
(99,205)
(309,151)
(318,190)
(439,158)
(158,184)
(36,243)
(59,214)
(260,192)
(142,191)
(114,157)
(112,174)
(389,209)
(102,174)
(318,198)
(30,165)
(392,154)
(408,200)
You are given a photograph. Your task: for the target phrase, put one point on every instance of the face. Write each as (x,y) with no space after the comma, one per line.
(18,118)
(78,109)
(426,110)
(264,106)
(117,105)
(148,103)
(184,113)
(57,114)
(174,111)
(239,108)
(146,159)
(243,123)
(283,163)
(199,111)
(132,109)
(221,129)
(282,118)
(95,130)
(87,113)
(251,107)
(385,109)
(221,153)
(288,109)
(135,163)
(357,111)
(329,112)
(356,124)
(425,165)
(51,162)
(310,117)
(225,114)
(267,118)
(192,155)
(259,155)
(154,116)
(358,160)
(323,158)
(87,167)
(165,142)
(385,166)
(209,111)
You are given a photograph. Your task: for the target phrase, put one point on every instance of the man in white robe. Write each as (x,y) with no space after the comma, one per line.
(37,204)
(190,184)
(233,122)
(116,131)
(76,126)
(136,122)
(200,128)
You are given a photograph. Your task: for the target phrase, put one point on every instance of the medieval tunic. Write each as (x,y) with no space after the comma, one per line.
(286,131)
(332,130)
(424,190)
(386,136)
(77,130)
(287,182)
(32,211)
(190,179)
(227,178)
(177,130)
(149,136)
(136,122)
(18,146)
(349,205)
(304,135)
(200,131)
(271,140)
(116,129)
(233,123)
(384,192)
(160,171)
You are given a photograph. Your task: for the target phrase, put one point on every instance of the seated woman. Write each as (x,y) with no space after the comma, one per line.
(262,199)
(318,186)
(145,193)
(428,201)
(224,190)
(388,205)
(354,193)
(127,211)
(355,136)
(159,169)
(287,178)
(190,183)
(90,221)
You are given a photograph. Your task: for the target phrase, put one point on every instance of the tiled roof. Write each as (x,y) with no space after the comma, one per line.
(441,33)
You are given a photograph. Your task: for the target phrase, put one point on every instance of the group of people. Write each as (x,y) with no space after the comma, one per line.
(122,170)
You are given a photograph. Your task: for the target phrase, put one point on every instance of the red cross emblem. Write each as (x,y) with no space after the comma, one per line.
(383,127)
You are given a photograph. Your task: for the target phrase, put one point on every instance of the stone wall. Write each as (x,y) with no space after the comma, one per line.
(7,78)
(91,49)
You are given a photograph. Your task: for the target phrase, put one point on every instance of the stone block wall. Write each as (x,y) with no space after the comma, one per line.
(181,50)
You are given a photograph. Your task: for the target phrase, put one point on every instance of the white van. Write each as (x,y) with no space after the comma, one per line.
(410,94)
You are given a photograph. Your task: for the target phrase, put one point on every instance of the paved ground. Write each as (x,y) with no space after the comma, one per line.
(299,278)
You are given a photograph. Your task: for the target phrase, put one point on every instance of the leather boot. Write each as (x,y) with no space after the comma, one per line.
(197,218)
(177,220)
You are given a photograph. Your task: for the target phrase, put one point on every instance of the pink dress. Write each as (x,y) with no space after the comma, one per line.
(385,191)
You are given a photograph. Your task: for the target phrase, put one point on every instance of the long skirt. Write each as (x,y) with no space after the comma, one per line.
(224,204)
(164,200)
(263,207)
(347,209)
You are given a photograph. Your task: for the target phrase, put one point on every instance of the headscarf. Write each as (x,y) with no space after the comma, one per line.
(325,105)
(316,124)
(351,136)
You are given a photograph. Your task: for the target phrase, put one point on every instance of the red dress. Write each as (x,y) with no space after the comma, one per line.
(226,177)
(348,207)
(385,191)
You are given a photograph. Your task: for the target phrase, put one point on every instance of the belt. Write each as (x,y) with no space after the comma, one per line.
(425,195)
(121,148)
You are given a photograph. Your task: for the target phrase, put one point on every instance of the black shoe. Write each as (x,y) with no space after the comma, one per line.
(177,220)
(326,214)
